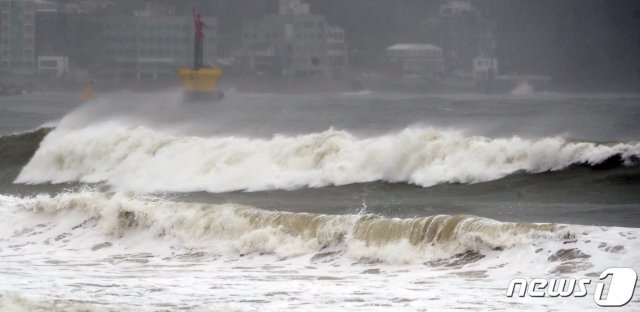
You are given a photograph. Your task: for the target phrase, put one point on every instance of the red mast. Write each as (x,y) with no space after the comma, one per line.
(198,41)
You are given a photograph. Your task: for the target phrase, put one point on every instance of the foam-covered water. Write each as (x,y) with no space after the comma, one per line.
(101,248)
(357,201)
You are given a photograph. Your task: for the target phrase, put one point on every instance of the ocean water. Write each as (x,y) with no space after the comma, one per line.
(353,201)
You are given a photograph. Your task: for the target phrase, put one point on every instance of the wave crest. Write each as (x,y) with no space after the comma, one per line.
(234,229)
(139,159)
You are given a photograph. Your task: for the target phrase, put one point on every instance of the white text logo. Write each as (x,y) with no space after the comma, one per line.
(620,287)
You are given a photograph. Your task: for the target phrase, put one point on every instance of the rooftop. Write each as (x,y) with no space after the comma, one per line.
(414,46)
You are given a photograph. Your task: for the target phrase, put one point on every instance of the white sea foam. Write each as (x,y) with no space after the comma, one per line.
(233,229)
(523,88)
(124,252)
(143,160)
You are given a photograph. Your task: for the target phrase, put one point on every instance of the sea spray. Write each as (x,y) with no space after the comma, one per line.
(142,160)
(234,229)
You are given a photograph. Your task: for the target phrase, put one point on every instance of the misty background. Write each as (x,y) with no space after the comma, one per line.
(573,41)
(586,45)
(576,42)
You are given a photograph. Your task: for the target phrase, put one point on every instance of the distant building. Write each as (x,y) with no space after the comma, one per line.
(292,7)
(70,31)
(51,41)
(53,66)
(151,47)
(156,9)
(485,68)
(470,38)
(294,42)
(455,7)
(82,6)
(337,57)
(421,60)
(49,37)
(17,37)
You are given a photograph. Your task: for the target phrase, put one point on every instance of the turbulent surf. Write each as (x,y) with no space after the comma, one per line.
(134,203)
(101,230)
(143,160)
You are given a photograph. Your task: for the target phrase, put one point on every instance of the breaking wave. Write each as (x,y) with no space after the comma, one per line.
(142,160)
(17,149)
(233,229)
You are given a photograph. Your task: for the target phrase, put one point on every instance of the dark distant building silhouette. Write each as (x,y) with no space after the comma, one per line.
(469,40)
(148,46)
(18,38)
(415,60)
(51,41)
(294,42)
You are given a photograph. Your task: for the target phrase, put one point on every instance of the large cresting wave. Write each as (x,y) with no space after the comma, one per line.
(107,246)
(143,160)
(231,229)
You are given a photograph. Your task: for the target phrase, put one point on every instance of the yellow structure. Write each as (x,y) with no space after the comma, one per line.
(200,83)
(87,94)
